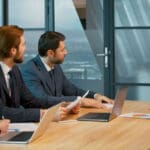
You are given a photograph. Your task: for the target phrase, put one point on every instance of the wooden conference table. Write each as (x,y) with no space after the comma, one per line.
(119,134)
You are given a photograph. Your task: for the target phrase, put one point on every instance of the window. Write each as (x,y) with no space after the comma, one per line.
(30,15)
(132,34)
(132,56)
(32,43)
(1,13)
(27,13)
(132,13)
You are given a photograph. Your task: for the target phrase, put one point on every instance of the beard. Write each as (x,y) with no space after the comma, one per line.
(54,60)
(18,59)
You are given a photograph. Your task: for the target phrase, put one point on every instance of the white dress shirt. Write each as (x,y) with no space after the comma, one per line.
(5,70)
(48,68)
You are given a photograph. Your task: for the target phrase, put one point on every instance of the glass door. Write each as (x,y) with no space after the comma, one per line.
(132,47)
(81,21)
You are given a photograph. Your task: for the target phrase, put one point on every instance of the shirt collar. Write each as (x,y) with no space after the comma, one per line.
(5,68)
(48,68)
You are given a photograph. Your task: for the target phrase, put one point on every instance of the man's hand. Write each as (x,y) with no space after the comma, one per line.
(60,114)
(76,109)
(101,99)
(97,102)
(62,111)
(4,126)
(91,103)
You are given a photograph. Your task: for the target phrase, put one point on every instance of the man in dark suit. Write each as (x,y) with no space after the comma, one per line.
(43,73)
(16,101)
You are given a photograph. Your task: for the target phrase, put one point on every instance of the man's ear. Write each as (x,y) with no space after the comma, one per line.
(13,51)
(50,53)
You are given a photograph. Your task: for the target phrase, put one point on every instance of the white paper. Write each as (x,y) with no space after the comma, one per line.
(76,101)
(108,106)
(22,127)
(73,104)
(136,115)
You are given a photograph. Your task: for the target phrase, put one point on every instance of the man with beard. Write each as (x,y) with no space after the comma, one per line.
(45,79)
(16,101)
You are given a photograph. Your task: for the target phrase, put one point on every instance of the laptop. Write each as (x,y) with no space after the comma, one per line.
(108,116)
(25,137)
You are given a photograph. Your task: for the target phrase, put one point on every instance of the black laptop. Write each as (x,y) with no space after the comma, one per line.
(116,110)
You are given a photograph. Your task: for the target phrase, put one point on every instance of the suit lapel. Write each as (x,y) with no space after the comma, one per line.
(3,82)
(14,91)
(44,75)
(7,99)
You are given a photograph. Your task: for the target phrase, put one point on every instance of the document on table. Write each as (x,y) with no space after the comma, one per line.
(22,126)
(136,115)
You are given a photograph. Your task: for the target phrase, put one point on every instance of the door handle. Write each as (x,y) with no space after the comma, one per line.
(105,55)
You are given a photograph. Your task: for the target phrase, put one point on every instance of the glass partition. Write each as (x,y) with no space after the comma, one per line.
(132,13)
(82,24)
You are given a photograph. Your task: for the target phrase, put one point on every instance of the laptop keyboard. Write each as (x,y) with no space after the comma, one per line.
(23,136)
(95,116)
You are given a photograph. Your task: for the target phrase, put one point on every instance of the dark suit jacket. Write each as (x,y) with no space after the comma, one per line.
(38,81)
(22,107)
(1,112)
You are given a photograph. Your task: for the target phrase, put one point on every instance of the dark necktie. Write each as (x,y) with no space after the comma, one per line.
(11,83)
(51,73)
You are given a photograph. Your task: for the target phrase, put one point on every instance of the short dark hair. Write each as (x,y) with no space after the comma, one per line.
(9,38)
(49,40)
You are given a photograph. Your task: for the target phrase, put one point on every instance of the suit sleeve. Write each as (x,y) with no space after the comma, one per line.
(1,111)
(71,89)
(19,114)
